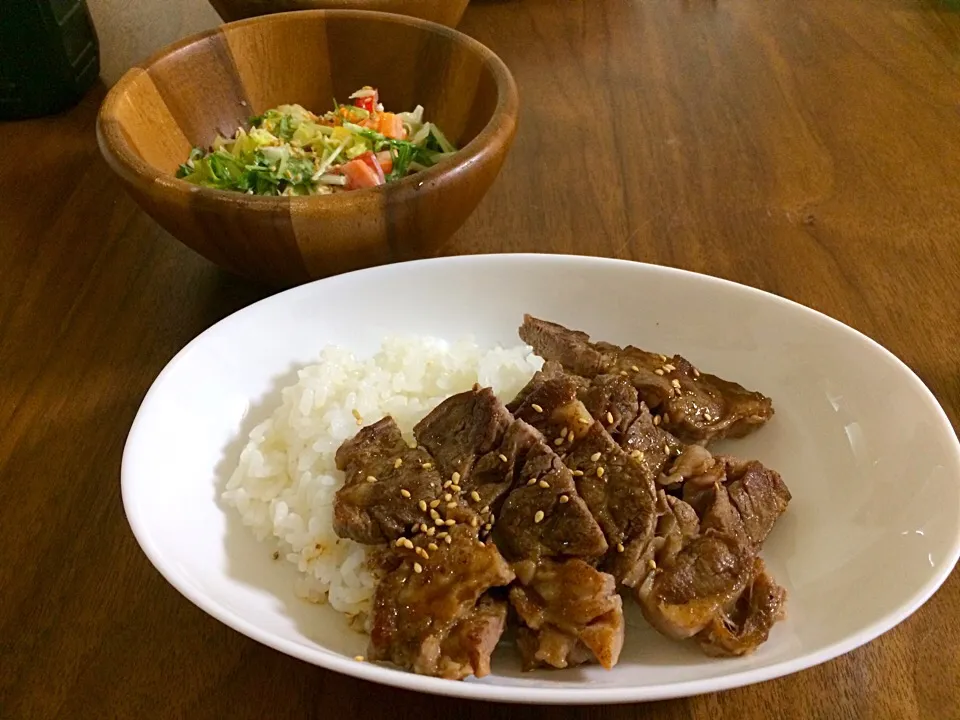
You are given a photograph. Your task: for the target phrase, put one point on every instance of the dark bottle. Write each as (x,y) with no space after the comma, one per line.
(49,56)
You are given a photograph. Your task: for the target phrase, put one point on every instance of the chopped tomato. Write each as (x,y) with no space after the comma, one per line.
(368,103)
(363,172)
(391,126)
(386,160)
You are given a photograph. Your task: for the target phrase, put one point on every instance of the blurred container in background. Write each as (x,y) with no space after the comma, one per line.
(49,56)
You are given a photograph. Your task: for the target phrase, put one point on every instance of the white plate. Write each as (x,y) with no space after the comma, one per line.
(871,459)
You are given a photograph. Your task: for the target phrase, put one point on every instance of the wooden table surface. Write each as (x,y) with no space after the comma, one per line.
(809,148)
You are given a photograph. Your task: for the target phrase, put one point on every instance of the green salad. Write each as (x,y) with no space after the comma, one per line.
(290,151)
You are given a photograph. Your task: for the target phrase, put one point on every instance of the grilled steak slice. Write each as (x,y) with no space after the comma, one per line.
(385,482)
(570,613)
(744,627)
(683,597)
(462,429)
(619,494)
(653,446)
(544,515)
(677,526)
(735,494)
(613,402)
(696,407)
(430,614)
(496,472)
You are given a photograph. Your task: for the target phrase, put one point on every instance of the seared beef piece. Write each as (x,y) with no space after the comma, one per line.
(692,461)
(744,627)
(677,526)
(544,515)
(570,613)
(553,406)
(757,496)
(619,494)
(437,621)
(386,480)
(696,407)
(612,401)
(463,428)
(550,371)
(655,445)
(495,473)
(684,596)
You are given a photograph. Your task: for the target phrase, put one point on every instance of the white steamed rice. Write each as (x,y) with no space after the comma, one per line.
(285,482)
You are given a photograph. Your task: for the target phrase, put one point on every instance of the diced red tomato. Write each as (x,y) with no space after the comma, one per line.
(386,160)
(391,126)
(363,172)
(368,103)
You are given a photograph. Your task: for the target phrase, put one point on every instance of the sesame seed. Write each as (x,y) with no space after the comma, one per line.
(491,519)
(635,368)
(427,466)
(658,371)
(536,408)
(399,542)
(666,449)
(619,547)
(431,531)
(433,513)
(371,479)
(503,458)
(663,358)
(419,550)
(538,517)
(417,568)
(578,473)
(455,477)
(570,436)
(447,484)
(455,488)
(438,520)
(600,472)
(408,543)
(544,484)
(708,416)
(610,418)
(442,534)
(358,416)
(359,658)
(585,421)
(669,368)
(666,417)
(448,539)
(434,503)
(475,496)
(398,462)
(656,419)
(425,528)
(595,457)
(474,521)
(564,499)
(696,373)
(452,504)
(485,509)
(623,372)
(432,547)
(448,497)
(675,383)
(558,441)
(531,481)
(652,564)
(488,527)
(422,505)
(405,492)
(449,522)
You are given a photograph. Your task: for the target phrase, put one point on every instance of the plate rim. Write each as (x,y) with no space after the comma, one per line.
(519,694)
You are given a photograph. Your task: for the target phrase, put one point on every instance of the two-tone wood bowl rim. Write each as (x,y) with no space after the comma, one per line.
(121,156)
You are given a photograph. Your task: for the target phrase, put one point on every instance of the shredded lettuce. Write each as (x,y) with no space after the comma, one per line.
(290,151)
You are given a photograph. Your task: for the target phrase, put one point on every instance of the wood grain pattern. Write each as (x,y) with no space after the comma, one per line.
(445,12)
(188,94)
(809,149)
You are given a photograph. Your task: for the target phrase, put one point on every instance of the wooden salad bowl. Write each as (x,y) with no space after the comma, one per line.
(214,82)
(445,12)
